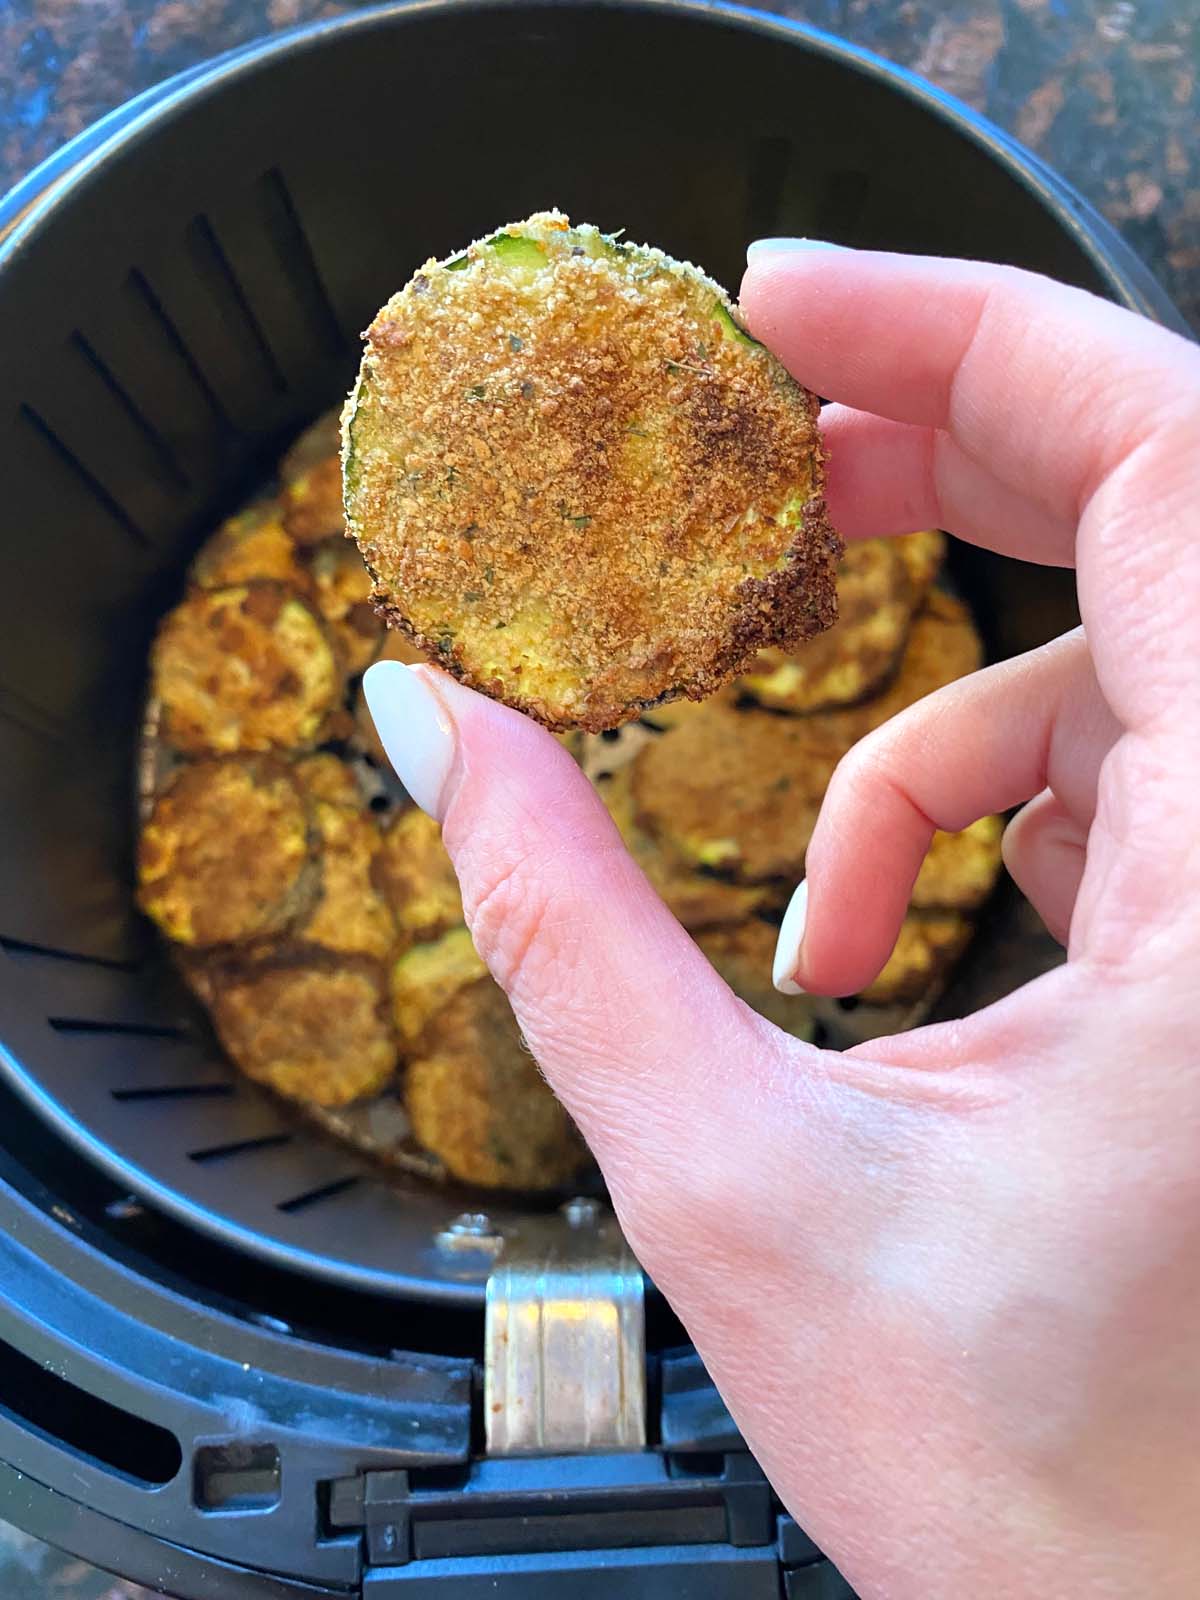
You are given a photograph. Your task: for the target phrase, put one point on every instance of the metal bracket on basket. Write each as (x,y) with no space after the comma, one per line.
(565,1338)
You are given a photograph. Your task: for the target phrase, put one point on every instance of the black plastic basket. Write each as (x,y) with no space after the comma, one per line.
(181,290)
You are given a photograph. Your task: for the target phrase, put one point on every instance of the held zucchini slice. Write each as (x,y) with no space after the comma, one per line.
(579,484)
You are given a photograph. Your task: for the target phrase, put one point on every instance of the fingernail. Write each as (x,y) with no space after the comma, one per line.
(760,249)
(415,729)
(791,937)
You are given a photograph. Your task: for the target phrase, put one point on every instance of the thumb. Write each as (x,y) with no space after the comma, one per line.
(751,1173)
(624,1014)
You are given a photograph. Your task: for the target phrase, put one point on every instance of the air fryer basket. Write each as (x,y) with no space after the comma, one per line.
(190,296)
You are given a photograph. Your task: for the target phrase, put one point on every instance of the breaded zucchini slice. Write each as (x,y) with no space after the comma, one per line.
(415,876)
(738,790)
(429,975)
(325,776)
(312,1027)
(923,555)
(226,854)
(312,502)
(578,482)
(696,898)
(341,590)
(859,653)
(476,1099)
(943,645)
(249,667)
(249,546)
(350,916)
(318,442)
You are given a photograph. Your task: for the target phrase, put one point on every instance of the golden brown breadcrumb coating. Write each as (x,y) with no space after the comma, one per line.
(312,502)
(943,645)
(327,777)
(928,945)
(225,855)
(243,668)
(350,917)
(247,547)
(577,480)
(738,789)
(697,899)
(341,589)
(424,978)
(923,555)
(310,1027)
(477,1099)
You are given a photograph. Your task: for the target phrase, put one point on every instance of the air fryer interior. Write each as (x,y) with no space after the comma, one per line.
(190,301)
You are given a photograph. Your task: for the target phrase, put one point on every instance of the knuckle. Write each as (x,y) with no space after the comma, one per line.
(507,908)
(870,765)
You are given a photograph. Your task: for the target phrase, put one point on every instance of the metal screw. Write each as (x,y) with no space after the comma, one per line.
(581,1212)
(473,1222)
(473,1230)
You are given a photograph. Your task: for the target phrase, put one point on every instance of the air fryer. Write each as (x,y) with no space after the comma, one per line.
(235,1359)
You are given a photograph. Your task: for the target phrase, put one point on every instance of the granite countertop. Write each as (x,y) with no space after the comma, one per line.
(1104,90)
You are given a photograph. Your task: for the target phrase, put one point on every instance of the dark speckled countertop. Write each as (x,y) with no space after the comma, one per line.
(1104,90)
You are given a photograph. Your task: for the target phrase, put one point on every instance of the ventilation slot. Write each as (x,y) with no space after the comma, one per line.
(30,719)
(212,266)
(315,1197)
(111,1438)
(150,303)
(158,449)
(175,1091)
(241,1147)
(296,260)
(96,489)
(128,1030)
(20,948)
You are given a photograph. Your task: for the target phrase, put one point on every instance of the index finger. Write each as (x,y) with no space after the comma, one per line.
(1045,385)
(1085,410)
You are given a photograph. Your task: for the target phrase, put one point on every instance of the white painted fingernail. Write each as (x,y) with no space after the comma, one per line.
(760,249)
(791,937)
(415,729)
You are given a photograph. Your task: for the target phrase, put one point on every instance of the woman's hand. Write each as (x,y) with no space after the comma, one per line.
(948,1283)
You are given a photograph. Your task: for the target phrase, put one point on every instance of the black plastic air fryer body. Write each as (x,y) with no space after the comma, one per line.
(232,1361)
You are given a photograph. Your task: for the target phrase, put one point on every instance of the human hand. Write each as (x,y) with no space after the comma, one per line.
(948,1282)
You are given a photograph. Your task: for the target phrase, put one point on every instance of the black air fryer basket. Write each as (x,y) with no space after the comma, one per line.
(233,1361)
